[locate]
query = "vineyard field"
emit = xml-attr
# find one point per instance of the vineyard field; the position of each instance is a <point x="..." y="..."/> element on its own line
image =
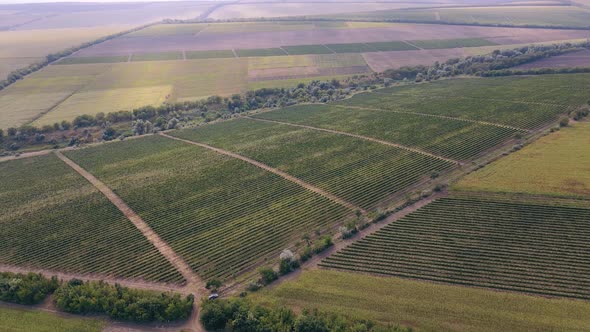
<point x="504" y="245"/>
<point x="221" y="214"/>
<point x="523" y="102"/>
<point x="53" y="219"/>
<point x="456" y="139"/>
<point x="359" y="171"/>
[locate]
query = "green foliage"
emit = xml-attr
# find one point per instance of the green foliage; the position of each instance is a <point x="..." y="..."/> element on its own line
<point x="322" y="244"/>
<point x="267" y="275"/>
<point x="27" y="288"/>
<point x="121" y="303"/>
<point x="213" y="284"/>
<point x="242" y="315"/>
<point x="564" y="122"/>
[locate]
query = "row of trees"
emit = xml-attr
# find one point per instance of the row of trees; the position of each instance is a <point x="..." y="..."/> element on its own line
<point x="122" y="303"/>
<point x="95" y="297"/>
<point x="241" y="315"/>
<point x="149" y="119"/>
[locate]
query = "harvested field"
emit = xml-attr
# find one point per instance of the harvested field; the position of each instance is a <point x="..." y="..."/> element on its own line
<point x="359" y="171"/>
<point x="555" y="165"/>
<point x="239" y="216"/>
<point x="558" y="16"/>
<point x="510" y="246"/>
<point x="452" y="43"/>
<point x="95" y="101"/>
<point x="252" y="10"/>
<point x="575" y="59"/>
<point x="424" y="306"/>
<point x="54" y="219"/>
<point x="92" y="59"/>
<point x="18" y="49"/>
<point x="278" y="38"/>
<point x="381" y="61"/>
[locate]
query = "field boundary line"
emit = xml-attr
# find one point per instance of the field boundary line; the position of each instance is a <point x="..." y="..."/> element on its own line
<point x="395" y="145"/>
<point x="436" y="116"/>
<point x="184" y="55"/>
<point x="331" y="50"/>
<point x="272" y="170"/>
<point x="129" y="57"/>
<point x="233" y="50"/>
<point x="191" y="278"/>
<point x="407" y="42"/>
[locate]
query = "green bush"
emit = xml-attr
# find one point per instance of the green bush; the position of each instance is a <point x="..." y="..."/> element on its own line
<point x="267" y="275"/>
<point x="322" y="244"/>
<point x="28" y="288"/>
<point x="98" y="297"/>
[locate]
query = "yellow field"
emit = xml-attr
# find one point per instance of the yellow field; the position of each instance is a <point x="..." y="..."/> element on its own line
<point x="19" y="49"/>
<point x="426" y="306"/>
<point x="92" y="102"/>
<point x="557" y="164"/>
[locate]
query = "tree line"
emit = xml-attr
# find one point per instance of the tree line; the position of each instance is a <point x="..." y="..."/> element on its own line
<point x="150" y="119"/>
<point x="95" y="297"/>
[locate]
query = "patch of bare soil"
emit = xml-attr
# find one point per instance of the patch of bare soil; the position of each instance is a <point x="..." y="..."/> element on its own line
<point x="574" y="59"/>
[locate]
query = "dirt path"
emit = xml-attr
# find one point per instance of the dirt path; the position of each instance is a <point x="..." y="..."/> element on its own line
<point x="435" y="116"/>
<point x="403" y="147"/>
<point x="273" y="170"/>
<point x="139" y="284"/>
<point x="194" y="284"/>
<point x="340" y="244"/>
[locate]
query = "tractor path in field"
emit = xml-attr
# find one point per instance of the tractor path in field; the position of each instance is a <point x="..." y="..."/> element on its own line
<point x="131" y="283"/>
<point x="194" y="283"/>
<point x="436" y="116"/>
<point x="274" y="171"/>
<point x="399" y="146"/>
<point x="340" y="244"/>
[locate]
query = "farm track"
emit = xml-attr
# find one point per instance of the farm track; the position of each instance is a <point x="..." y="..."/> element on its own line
<point x="435" y="116"/>
<point x="274" y="171"/>
<point x="194" y="284"/>
<point x="399" y="146"/>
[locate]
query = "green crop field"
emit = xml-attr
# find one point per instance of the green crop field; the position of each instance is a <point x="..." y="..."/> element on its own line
<point x="22" y="320"/>
<point x="523" y="102"/>
<point x="514" y="246"/>
<point x="307" y="49"/>
<point x="425" y="306"/>
<point x="391" y="46"/>
<point x="555" y="165"/>
<point x="351" y="48"/>
<point x="558" y="16"/>
<point x="360" y="171"/>
<point x="92" y="59"/>
<point x="244" y="53"/>
<point x="452" y="43"/>
<point x="209" y="54"/>
<point x="222" y="215"/>
<point x="54" y="219"/>
<point x="446" y="137"/>
<point x="162" y="56"/>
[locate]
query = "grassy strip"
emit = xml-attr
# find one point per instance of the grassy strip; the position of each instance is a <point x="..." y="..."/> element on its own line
<point x="92" y="59"/>
<point x="157" y="56"/>
<point x="425" y="306"/>
<point x="260" y="52"/>
<point x="25" y="320"/>
<point x="209" y="54"/>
